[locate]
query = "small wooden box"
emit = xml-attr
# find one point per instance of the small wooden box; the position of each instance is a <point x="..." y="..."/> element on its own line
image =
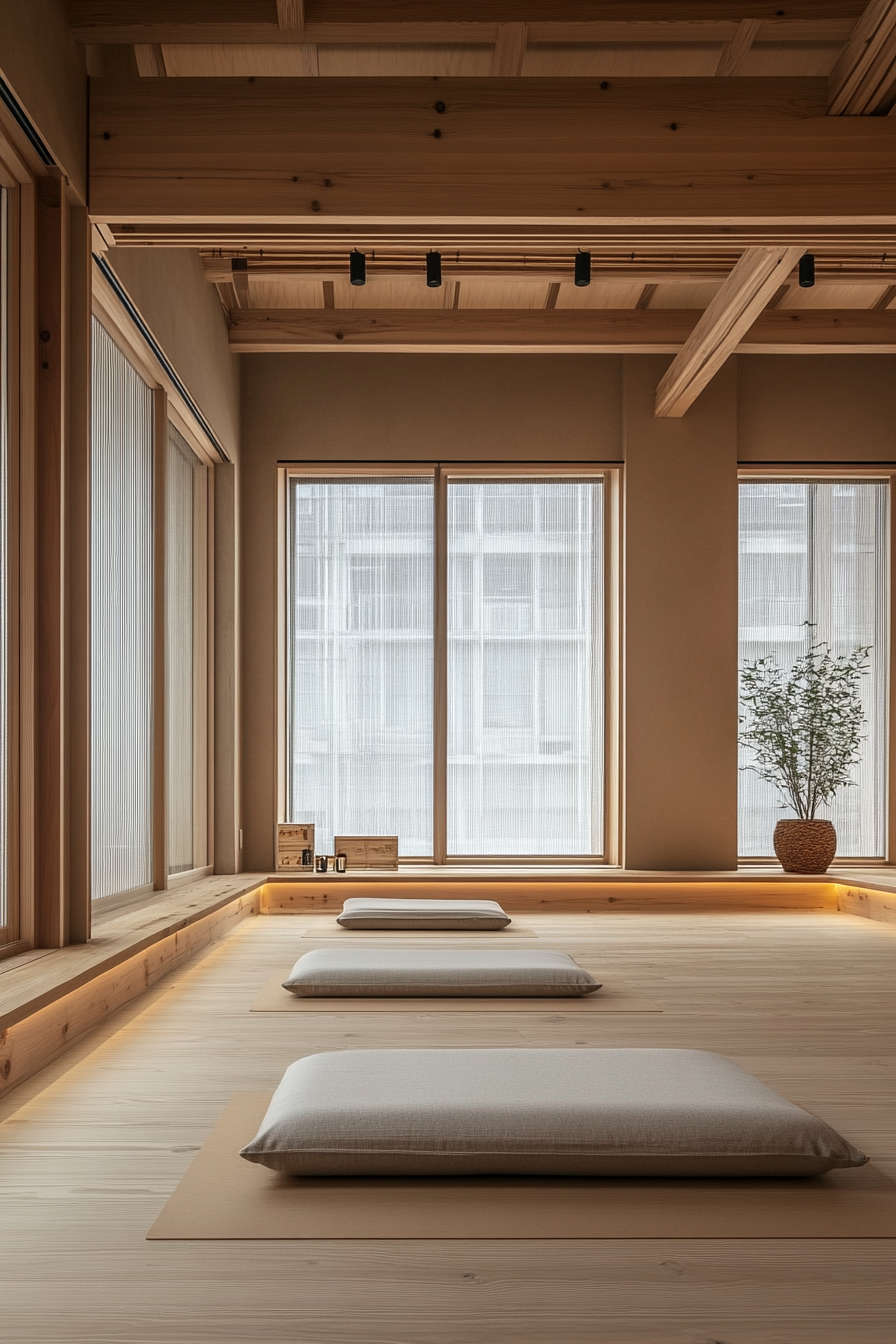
<point x="292" y="841"/>
<point x="368" y="851"/>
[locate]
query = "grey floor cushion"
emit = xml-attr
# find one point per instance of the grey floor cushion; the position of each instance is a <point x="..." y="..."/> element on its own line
<point x="386" y="912"/>
<point x="538" y="1112"/>
<point x="385" y="972"/>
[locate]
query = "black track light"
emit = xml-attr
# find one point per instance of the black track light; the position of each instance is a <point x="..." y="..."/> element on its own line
<point x="583" y="269"/>
<point x="807" y="271"/>
<point x="357" y="268"/>
<point x="433" y="269"/>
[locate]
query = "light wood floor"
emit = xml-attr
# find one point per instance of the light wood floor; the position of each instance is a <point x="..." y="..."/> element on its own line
<point x="91" y="1149"/>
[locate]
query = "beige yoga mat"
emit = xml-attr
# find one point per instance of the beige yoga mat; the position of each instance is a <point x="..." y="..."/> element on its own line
<point x="615" y="997"/>
<point x="223" y="1197"/>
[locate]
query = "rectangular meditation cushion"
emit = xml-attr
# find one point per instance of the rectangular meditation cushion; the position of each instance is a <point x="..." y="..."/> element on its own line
<point x="379" y="912"/>
<point x="653" y="1113"/>
<point x="388" y="972"/>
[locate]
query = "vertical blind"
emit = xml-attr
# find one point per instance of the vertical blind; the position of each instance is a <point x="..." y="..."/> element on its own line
<point x="180" y="507"/>
<point x="818" y="551"/>
<point x="4" y="557"/>
<point x="359" y="658"/>
<point x="525" y="668"/>
<point x="121" y="621"/>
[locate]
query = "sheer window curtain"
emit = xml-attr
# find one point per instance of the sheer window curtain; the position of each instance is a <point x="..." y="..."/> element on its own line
<point x="185" y="574"/>
<point x="525" y="667"/>
<point x="121" y="621"/>
<point x="359" y="659"/>
<point x="818" y="551"/>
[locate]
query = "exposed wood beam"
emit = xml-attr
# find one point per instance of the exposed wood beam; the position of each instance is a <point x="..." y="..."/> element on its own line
<point x="778" y="298"/>
<point x="532" y="269"/>
<point x="734" y="53"/>
<point x="864" y="78"/>
<point x="645" y="296"/>
<point x="553" y="295"/>
<point x="856" y="246"/>
<point x="885" y="300"/>
<point x="640" y="149"/>
<point x="732" y="312"/>
<point x="329" y="295"/>
<point x="510" y="49"/>
<point x="150" y="59"/>
<point x="659" y="330"/>
<point x="291" y="15"/>
<point x="550" y="21"/>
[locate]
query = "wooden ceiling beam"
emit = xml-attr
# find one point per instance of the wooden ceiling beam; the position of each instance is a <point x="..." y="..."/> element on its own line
<point x="751" y="285"/>
<point x="734" y="54"/>
<point x="510" y="49"/>
<point x="864" y="79"/>
<point x="207" y="21"/>
<point x="291" y="15"/>
<point x="650" y="330"/>
<point x="383" y="269"/>
<point x="631" y="149"/>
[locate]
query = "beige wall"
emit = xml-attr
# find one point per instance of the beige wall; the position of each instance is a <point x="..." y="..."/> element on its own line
<point x="381" y="407"/>
<point x="47" y="71"/>
<point x="680" y="626"/>
<point x="680" y="551"/>
<point x="182" y="310"/>
<point x="816" y="408"/>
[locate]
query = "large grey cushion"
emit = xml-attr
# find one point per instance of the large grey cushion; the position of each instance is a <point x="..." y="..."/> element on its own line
<point x="538" y="1112"/>
<point x="385" y="972"/>
<point x="386" y="912"/>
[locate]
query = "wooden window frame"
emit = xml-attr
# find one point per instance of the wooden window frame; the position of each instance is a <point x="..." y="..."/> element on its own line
<point x="810" y="472"/>
<point x="169" y="406"/>
<point x="442" y="473"/>
<point x="18" y="934"/>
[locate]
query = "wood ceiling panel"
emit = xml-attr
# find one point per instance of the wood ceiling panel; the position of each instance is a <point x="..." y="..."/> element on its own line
<point x="772" y="59"/>
<point x="386" y="294"/>
<point x="615" y="59"/>
<point x="684" y="296"/>
<point x="830" y="296"/>
<point x="221" y="60"/>
<point x="498" y="294"/>
<point x="599" y="294"/>
<point x="376" y="61"/>
<point x="286" y="294"/>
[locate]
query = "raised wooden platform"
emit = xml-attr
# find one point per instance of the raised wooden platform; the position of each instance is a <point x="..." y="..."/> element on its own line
<point x="49" y="999"/>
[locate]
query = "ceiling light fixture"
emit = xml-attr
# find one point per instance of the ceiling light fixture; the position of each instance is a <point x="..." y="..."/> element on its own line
<point x="583" y="269"/>
<point x="807" y="271"/>
<point x="433" y="269"/>
<point x="357" y="268"/>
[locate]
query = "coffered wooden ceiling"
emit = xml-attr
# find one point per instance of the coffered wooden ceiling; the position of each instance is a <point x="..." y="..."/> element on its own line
<point x="667" y="139"/>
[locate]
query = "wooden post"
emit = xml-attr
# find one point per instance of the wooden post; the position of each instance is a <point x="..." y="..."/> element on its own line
<point x="77" y="604"/>
<point x="51" y="913"/>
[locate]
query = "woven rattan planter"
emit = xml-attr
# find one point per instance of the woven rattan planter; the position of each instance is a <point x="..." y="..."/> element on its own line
<point x="805" y="846"/>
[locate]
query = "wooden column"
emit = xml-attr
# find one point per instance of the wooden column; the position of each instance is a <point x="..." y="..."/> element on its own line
<point x="77" y="586"/>
<point x="680" y="621"/>
<point x="226" y="788"/>
<point x="51" y="912"/>
<point x="159" y="642"/>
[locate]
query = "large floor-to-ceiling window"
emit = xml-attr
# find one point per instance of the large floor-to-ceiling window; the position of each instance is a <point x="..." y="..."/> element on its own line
<point x="816" y="551"/>
<point x="444" y="661"/>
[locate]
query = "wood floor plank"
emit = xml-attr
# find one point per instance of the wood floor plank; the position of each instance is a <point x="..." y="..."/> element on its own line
<point x="91" y="1148"/>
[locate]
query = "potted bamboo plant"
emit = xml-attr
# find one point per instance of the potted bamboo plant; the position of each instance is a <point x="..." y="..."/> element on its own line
<point x="804" y="730"/>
